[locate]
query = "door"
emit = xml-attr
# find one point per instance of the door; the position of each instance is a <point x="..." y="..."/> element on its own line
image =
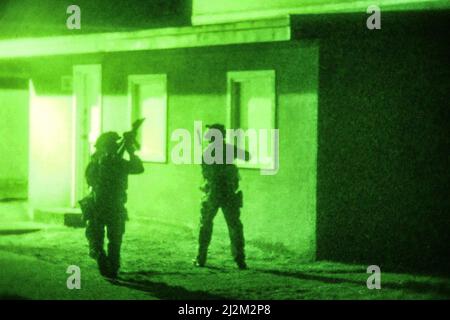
<point x="87" y="115"/>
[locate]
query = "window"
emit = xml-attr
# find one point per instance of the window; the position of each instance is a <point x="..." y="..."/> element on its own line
<point x="148" y="99"/>
<point x="252" y="108"/>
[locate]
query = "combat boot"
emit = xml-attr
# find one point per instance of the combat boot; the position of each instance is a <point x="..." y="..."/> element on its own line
<point x="242" y="265"/>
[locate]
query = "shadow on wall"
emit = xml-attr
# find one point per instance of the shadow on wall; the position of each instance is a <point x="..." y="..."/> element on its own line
<point x="383" y="149"/>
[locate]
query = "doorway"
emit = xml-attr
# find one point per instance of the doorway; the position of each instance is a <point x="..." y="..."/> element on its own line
<point x="86" y="126"/>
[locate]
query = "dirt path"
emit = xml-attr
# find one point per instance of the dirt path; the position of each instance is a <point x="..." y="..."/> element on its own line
<point x="157" y="264"/>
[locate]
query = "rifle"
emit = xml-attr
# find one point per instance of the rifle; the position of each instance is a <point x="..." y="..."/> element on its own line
<point x="128" y="141"/>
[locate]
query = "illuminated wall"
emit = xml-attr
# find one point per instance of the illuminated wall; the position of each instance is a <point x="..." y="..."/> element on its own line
<point x="51" y="119"/>
<point x="50" y="150"/>
<point x="13" y="142"/>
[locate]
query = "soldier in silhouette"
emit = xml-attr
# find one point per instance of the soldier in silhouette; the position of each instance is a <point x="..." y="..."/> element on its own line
<point x="107" y="175"/>
<point x="221" y="190"/>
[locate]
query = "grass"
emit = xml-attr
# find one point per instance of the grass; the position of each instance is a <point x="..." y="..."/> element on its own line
<point x="156" y="260"/>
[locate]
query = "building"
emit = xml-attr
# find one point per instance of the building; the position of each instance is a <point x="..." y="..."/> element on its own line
<point x="359" y="113"/>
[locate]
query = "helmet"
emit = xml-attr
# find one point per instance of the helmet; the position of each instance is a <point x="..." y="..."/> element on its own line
<point x="107" y="140"/>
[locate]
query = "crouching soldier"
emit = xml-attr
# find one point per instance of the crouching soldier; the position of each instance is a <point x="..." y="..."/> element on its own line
<point x="107" y="175"/>
<point x="221" y="190"/>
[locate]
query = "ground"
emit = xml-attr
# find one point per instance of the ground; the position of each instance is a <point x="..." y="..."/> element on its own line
<point x="157" y="265"/>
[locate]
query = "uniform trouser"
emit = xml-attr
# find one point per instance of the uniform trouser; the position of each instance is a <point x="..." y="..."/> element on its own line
<point x="235" y="229"/>
<point x="95" y="233"/>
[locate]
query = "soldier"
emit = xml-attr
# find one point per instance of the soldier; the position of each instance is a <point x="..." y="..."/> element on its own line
<point x="221" y="191"/>
<point x="107" y="174"/>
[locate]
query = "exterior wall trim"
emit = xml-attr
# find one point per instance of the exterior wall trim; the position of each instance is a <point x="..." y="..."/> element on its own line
<point x="321" y="7"/>
<point x="269" y="30"/>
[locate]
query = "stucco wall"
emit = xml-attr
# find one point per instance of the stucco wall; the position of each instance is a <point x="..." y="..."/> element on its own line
<point x="383" y="145"/>
<point x="50" y="149"/>
<point x="13" y="142"/>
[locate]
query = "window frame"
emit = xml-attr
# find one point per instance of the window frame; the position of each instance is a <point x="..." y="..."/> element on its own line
<point x="135" y="80"/>
<point x="245" y="75"/>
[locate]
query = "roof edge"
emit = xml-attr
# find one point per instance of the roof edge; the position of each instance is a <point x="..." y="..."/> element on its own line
<point x="266" y="30"/>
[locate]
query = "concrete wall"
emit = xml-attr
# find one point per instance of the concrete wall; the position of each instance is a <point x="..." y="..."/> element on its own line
<point x="51" y="131"/>
<point x="279" y="210"/>
<point x="383" y="144"/>
<point x="50" y="150"/>
<point x="14" y="141"/>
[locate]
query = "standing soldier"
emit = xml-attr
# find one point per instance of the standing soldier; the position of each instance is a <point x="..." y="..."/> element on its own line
<point x="107" y="174"/>
<point x="221" y="191"/>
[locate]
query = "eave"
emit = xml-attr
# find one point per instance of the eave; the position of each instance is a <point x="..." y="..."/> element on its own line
<point x="269" y="30"/>
<point x="320" y="7"/>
